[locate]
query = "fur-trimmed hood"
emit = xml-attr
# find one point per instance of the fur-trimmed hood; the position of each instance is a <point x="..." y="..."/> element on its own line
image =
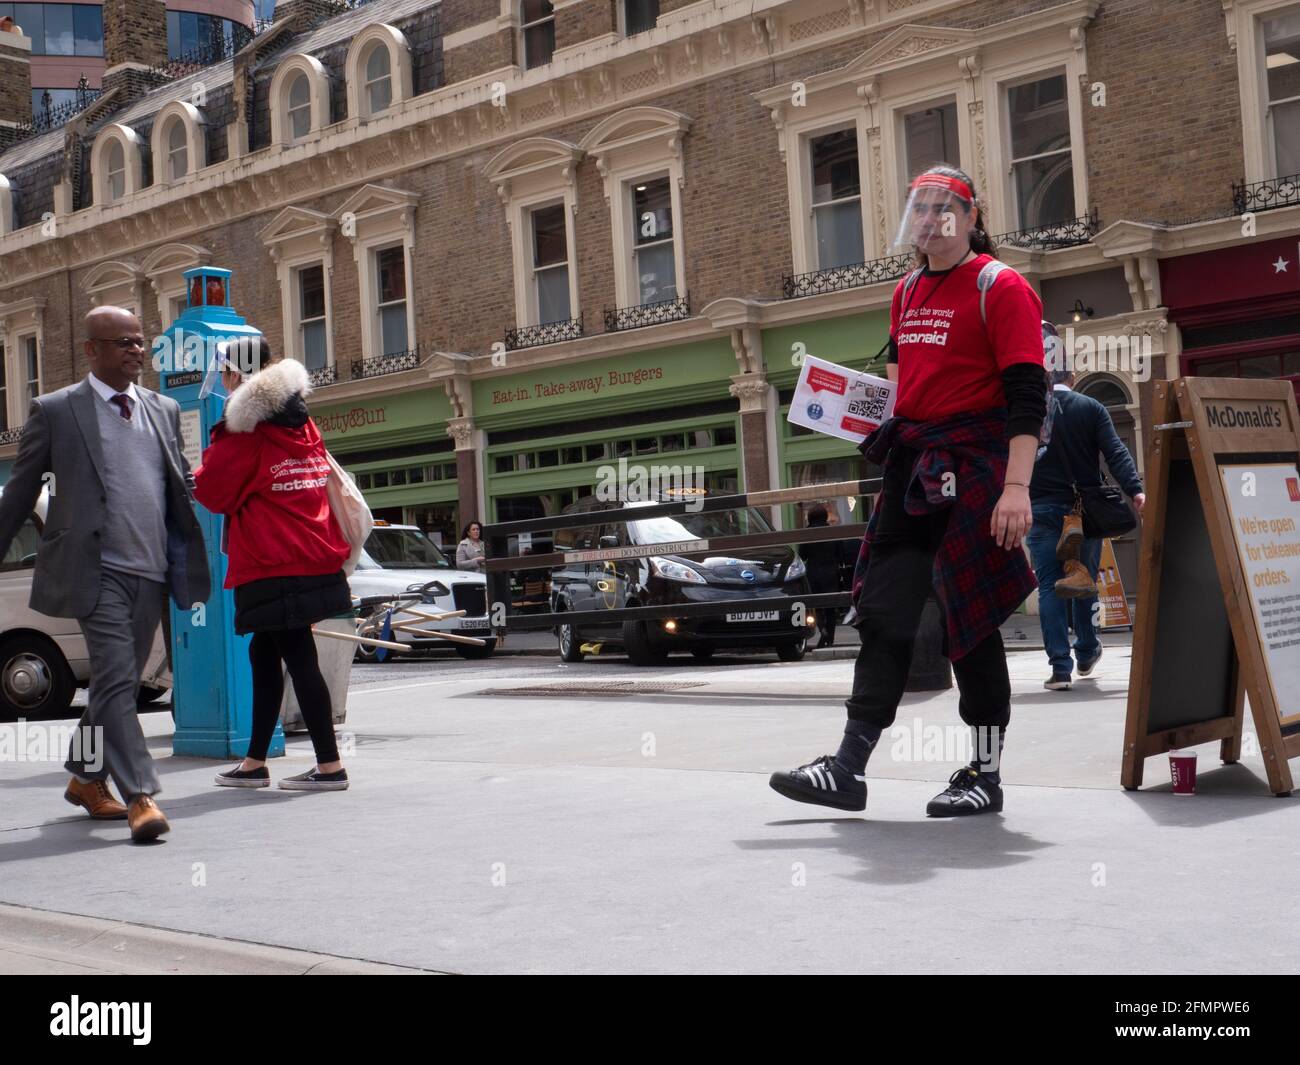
<point x="266" y="392"/>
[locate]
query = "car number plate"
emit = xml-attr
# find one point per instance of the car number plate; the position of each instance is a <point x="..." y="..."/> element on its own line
<point x="755" y="615"/>
<point x="474" y="623"/>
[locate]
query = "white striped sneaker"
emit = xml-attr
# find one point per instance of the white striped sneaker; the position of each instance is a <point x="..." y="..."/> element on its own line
<point x="968" y="792"/>
<point x="822" y="782"/>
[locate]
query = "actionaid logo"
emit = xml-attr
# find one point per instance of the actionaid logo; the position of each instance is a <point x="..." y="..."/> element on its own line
<point x="626" y="483"/>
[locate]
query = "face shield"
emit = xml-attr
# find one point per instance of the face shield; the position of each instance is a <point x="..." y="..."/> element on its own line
<point x="224" y="360"/>
<point x="936" y="207"/>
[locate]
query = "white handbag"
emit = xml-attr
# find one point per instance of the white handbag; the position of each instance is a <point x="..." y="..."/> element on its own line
<point x="350" y="510"/>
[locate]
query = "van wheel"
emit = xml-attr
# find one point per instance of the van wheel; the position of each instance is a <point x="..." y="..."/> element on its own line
<point x="473" y="653"/>
<point x="792" y="652"/>
<point x="570" y="643"/>
<point x="34" y="677"/>
<point x="640" y="649"/>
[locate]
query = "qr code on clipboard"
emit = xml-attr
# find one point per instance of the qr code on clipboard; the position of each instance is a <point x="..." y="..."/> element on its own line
<point x="870" y="404"/>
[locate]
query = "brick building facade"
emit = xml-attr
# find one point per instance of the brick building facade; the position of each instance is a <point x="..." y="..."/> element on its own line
<point x="435" y="205"/>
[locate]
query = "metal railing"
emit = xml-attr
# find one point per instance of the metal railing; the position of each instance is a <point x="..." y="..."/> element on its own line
<point x="531" y="336"/>
<point x="324" y="375"/>
<point x="49" y="115"/>
<point x="621" y="318"/>
<point x="394" y="362"/>
<point x="837" y="278"/>
<point x="1266" y="195"/>
<point x="11" y="436"/>
<point x="1069" y="233"/>
<point x="499" y="563"/>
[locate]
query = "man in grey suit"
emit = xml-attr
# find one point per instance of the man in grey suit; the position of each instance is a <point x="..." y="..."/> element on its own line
<point x="120" y="526"/>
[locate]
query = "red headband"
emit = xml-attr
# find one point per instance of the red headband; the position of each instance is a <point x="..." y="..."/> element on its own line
<point x="943" y="181"/>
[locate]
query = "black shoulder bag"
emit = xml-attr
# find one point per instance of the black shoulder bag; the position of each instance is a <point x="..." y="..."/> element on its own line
<point x="1104" y="509"/>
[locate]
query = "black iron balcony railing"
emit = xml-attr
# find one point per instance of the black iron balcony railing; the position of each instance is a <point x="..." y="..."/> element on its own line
<point x="11" y="436"/>
<point x="531" y="336"/>
<point x="853" y="275"/>
<point x="48" y="115"/>
<point x="1067" y="234"/>
<point x="1266" y="195"/>
<point x="394" y="362"/>
<point x="647" y="314"/>
<point x="323" y="375"/>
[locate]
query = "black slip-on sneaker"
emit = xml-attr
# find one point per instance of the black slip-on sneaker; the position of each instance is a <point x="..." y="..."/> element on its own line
<point x="314" y="780"/>
<point x="968" y="792"/>
<point x="1057" y="682"/>
<point x="1086" y="667"/>
<point x="822" y="782"/>
<point x="245" y="778"/>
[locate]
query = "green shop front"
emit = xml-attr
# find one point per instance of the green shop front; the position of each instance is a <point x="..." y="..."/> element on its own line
<point x="397" y="448"/>
<point x="553" y="435"/>
<point x="803" y="455"/>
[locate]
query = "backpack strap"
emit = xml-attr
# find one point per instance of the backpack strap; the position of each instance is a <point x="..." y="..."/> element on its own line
<point x="988" y="274"/>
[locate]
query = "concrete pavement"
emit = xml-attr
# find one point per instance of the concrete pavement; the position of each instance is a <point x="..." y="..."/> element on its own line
<point x="591" y="823"/>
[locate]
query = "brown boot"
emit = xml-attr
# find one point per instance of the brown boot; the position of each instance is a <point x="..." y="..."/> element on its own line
<point x="1071" y="537"/>
<point x="96" y="798"/>
<point x="1077" y="582"/>
<point x="147" y="821"/>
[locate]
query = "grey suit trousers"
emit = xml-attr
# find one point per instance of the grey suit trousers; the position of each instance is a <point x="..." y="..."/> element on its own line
<point x="119" y="636"/>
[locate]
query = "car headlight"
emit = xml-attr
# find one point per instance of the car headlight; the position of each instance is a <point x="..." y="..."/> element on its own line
<point x="796" y="570"/>
<point x="675" y="571"/>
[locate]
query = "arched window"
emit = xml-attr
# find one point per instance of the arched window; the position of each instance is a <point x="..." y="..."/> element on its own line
<point x="537" y="25"/>
<point x="116" y="175"/>
<point x="379" y="80"/>
<point x="1105" y="391"/>
<point x="177" y="150"/>
<point x="299" y="107"/>
<point x="378" y="71"/>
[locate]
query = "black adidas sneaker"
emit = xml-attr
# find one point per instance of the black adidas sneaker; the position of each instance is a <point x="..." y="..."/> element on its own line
<point x="968" y="792"/>
<point x="822" y="782"/>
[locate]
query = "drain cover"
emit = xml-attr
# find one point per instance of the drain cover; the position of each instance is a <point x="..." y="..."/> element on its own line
<point x="631" y="687"/>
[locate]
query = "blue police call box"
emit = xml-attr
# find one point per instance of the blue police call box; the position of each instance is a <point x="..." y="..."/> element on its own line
<point x="212" y="685"/>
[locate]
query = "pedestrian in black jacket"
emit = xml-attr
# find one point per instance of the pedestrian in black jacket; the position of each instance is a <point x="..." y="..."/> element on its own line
<point x="1081" y="432"/>
<point x="824" y="560"/>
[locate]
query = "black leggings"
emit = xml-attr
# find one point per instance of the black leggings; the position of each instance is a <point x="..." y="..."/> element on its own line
<point x="297" y="649"/>
<point x="899" y="579"/>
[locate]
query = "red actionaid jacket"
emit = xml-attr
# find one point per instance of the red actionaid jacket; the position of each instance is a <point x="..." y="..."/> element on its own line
<point x="269" y="482"/>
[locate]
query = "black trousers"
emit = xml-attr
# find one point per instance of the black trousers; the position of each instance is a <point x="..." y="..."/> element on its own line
<point x="899" y="579"/>
<point x="296" y="648"/>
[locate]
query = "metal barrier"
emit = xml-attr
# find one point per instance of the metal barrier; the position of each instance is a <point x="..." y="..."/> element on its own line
<point x="499" y="564"/>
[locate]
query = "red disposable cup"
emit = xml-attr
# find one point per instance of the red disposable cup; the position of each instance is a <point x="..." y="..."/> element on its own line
<point x="1182" y="768"/>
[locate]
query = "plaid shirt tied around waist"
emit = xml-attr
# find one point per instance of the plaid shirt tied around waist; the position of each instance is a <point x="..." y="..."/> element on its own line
<point x="978" y="583"/>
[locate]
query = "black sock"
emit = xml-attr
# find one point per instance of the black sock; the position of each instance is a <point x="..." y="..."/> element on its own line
<point x="988" y="761"/>
<point x="859" y="741"/>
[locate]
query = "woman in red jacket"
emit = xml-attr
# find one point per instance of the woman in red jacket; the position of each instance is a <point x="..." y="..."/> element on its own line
<point x="266" y="471"/>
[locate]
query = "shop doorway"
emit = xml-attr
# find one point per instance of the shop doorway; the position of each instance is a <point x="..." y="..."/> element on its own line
<point x="1112" y="395"/>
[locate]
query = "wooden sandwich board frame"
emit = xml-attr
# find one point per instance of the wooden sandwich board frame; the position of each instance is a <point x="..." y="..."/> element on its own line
<point x="1196" y="658"/>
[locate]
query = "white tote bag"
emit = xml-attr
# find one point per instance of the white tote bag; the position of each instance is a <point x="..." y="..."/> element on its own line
<point x="350" y="511"/>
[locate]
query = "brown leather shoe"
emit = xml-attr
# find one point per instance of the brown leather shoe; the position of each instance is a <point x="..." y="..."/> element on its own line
<point x="1077" y="582"/>
<point x="147" y="821"/>
<point x="96" y="798"/>
<point x="1071" y="537"/>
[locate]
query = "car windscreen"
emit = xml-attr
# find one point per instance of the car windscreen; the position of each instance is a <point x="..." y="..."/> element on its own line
<point x="404" y="549"/>
<point x="698" y="526"/>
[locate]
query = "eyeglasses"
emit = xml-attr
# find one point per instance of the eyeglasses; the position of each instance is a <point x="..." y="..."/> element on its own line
<point x="123" y="343"/>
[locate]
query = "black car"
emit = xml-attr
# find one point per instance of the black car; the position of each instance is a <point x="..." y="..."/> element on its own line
<point x="761" y="573"/>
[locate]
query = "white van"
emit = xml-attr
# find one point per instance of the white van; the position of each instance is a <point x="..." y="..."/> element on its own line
<point x="43" y="660"/>
<point x="401" y="558"/>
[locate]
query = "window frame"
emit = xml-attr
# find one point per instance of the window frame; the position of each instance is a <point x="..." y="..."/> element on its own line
<point x="378" y="34"/>
<point x="524" y="27"/>
<point x="1244" y="23"/>
<point x="286" y="75"/>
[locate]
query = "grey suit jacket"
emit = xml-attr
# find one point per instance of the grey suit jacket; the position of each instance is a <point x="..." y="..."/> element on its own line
<point x="61" y="437"/>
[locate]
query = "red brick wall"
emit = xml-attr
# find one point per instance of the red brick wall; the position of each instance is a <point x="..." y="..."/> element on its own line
<point x="583" y="21"/>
